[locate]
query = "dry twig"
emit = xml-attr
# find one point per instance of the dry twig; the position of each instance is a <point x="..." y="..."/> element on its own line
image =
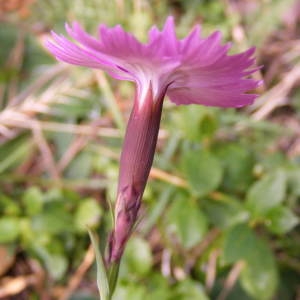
<point x="49" y="162"/>
<point x="77" y="277"/>
<point x="197" y="251"/>
<point x="211" y="269"/>
<point x="231" y="279"/>
<point x="13" y="286"/>
<point x="277" y="96"/>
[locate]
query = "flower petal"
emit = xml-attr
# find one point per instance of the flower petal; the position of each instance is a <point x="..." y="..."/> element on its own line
<point x="195" y="69"/>
<point x="209" y="76"/>
<point x="118" y="43"/>
<point x="211" y="97"/>
<point x="67" y="51"/>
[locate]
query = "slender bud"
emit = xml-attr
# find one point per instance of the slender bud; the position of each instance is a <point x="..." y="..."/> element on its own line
<point x="136" y="160"/>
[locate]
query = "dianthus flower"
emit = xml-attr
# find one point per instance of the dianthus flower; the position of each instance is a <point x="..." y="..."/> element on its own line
<point x="192" y="70"/>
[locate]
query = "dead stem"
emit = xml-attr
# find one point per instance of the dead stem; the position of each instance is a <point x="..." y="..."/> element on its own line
<point x="79" y="274"/>
<point x="13" y="286"/>
<point x="19" y="121"/>
<point x="231" y="279"/>
<point x="211" y="269"/>
<point x="49" y="162"/>
<point x="198" y="250"/>
<point x="166" y="263"/>
<point x="277" y="96"/>
<point x="164" y="176"/>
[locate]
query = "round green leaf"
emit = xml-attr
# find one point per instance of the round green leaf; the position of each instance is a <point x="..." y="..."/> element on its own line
<point x="281" y="220"/>
<point x="54" y="219"/>
<point x="189" y="289"/>
<point x="158" y="287"/>
<point x="238" y="164"/>
<point x="137" y="257"/>
<point x="88" y="214"/>
<point x="56" y="264"/>
<point x="129" y="291"/>
<point x="194" y="114"/>
<point x="267" y="193"/>
<point x="9" y="229"/>
<point x="208" y="125"/>
<point x="226" y="212"/>
<point x="8" y="206"/>
<point x="293" y="181"/>
<point x="238" y="243"/>
<point x="260" y="277"/>
<point x="186" y="221"/>
<point x="202" y="170"/>
<point x="33" y="201"/>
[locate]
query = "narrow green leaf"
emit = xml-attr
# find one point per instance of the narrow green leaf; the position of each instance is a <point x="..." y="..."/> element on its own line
<point x="102" y="280"/>
<point x="12" y="156"/>
<point x="158" y="208"/>
<point x="113" y="277"/>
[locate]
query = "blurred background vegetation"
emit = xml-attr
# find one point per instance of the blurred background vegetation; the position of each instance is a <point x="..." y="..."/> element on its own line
<point x="219" y="217"/>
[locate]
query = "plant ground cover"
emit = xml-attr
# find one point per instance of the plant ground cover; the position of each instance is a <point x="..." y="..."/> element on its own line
<point x="220" y="213"/>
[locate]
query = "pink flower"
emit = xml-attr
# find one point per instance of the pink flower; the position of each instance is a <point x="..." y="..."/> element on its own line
<point x="193" y="70"/>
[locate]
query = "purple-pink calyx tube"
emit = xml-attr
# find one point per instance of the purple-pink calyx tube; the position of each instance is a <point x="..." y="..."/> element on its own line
<point x="192" y="70"/>
<point x="135" y="164"/>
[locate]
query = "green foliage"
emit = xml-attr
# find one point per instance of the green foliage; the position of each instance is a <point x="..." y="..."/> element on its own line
<point x="260" y="275"/>
<point x="281" y="220"/>
<point x="88" y="213"/>
<point x="14" y="152"/>
<point x="48" y="225"/>
<point x="185" y="220"/>
<point x="33" y="201"/>
<point x="203" y="171"/>
<point x="225" y="212"/>
<point x="267" y="193"/>
<point x="238" y="163"/>
<point x="9" y="229"/>
<point x="189" y="289"/>
<point x="202" y="122"/>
